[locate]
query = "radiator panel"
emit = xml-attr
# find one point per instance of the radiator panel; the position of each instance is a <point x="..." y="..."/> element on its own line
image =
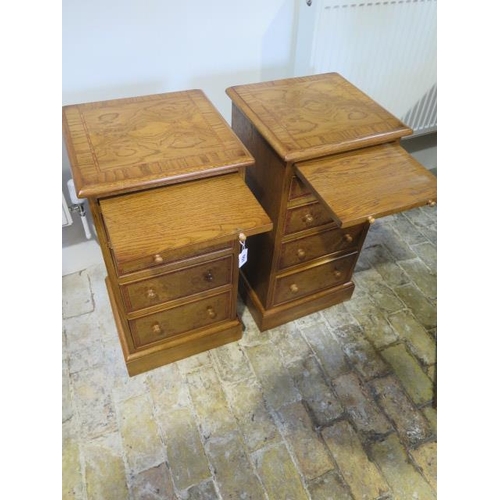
<point x="387" y="49"/>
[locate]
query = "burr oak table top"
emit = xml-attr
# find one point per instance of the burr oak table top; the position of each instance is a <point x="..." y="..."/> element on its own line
<point x="128" y="144"/>
<point x="308" y="117"/>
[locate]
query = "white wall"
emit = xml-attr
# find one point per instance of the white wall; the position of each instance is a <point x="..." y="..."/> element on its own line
<point x="120" y="48"/>
<point x="124" y="48"/>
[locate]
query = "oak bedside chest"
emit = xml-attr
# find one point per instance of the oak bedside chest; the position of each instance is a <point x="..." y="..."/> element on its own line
<point x="328" y="163"/>
<point x="164" y="176"/>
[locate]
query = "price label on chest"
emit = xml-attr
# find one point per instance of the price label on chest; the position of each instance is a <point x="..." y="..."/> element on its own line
<point x="243" y="256"/>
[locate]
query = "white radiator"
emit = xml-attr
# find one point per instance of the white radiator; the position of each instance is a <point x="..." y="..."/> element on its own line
<point x="67" y="220"/>
<point x="387" y="49"/>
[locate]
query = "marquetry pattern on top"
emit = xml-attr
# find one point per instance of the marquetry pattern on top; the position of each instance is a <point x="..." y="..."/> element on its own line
<point x="127" y="144"/>
<point x="307" y="117"/>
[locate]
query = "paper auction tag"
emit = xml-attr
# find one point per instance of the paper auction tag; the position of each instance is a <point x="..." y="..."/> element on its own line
<point x="243" y="256"/>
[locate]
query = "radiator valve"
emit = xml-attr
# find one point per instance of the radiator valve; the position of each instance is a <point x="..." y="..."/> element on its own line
<point x="78" y="206"/>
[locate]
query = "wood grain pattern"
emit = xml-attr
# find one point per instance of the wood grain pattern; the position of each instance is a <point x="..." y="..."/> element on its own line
<point x="271" y="317"/>
<point x="267" y="183"/>
<point x="189" y="316"/>
<point x="302" y="250"/>
<point x="125" y="144"/>
<point x="178" y="283"/>
<point x="298" y="189"/>
<point x="315" y="278"/>
<point x="371" y="182"/>
<point x="164" y="175"/>
<point x="171" y="349"/>
<point x="318" y="123"/>
<point x="313" y="116"/>
<point x="271" y="181"/>
<point x="306" y="217"/>
<point x="147" y="265"/>
<point x="182" y="215"/>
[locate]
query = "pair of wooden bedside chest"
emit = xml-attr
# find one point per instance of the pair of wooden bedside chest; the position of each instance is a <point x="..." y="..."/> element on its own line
<point x="177" y="195"/>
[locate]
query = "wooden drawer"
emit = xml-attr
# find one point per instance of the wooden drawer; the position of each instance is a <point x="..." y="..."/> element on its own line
<point x="176" y="284"/>
<point x="161" y="258"/>
<point x="319" y="277"/>
<point x="324" y="243"/>
<point x="298" y="189"/>
<point x="306" y="217"/>
<point x="151" y="227"/>
<point x="177" y="320"/>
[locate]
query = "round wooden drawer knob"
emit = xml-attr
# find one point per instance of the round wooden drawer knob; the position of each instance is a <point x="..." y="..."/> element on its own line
<point x="308" y="218"/>
<point x="151" y="294"/>
<point x="294" y="288"/>
<point x="156" y="329"/>
<point x="347" y="238"/>
<point x="158" y="259"/>
<point x="242" y="237"/>
<point x="211" y="313"/>
<point x="301" y="253"/>
<point x="336" y="273"/>
<point x="209" y="276"/>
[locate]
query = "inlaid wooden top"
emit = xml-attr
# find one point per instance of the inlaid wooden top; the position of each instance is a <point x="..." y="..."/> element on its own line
<point x="312" y="116"/>
<point x="168" y="218"/>
<point x="127" y="144"/>
<point x="371" y="182"/>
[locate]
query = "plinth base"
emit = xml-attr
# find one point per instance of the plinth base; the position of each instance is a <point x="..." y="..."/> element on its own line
<point x="279" y="315"/>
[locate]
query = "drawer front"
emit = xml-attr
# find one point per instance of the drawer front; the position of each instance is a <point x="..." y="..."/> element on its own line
<point x="297" y="189"/>
<point x="306" y="217"/>
<point x="162" y="258"/>
<point x="181" y="319"/>
<point x="314" y="279"/>
<point x="178" y="284"/>
<point x="327" y="242"/>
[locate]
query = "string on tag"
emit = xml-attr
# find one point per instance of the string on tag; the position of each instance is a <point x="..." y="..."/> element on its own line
<point x="243" y="256"/>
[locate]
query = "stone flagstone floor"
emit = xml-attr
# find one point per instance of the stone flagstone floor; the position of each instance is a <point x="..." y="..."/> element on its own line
<point x="337" y="405"/>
